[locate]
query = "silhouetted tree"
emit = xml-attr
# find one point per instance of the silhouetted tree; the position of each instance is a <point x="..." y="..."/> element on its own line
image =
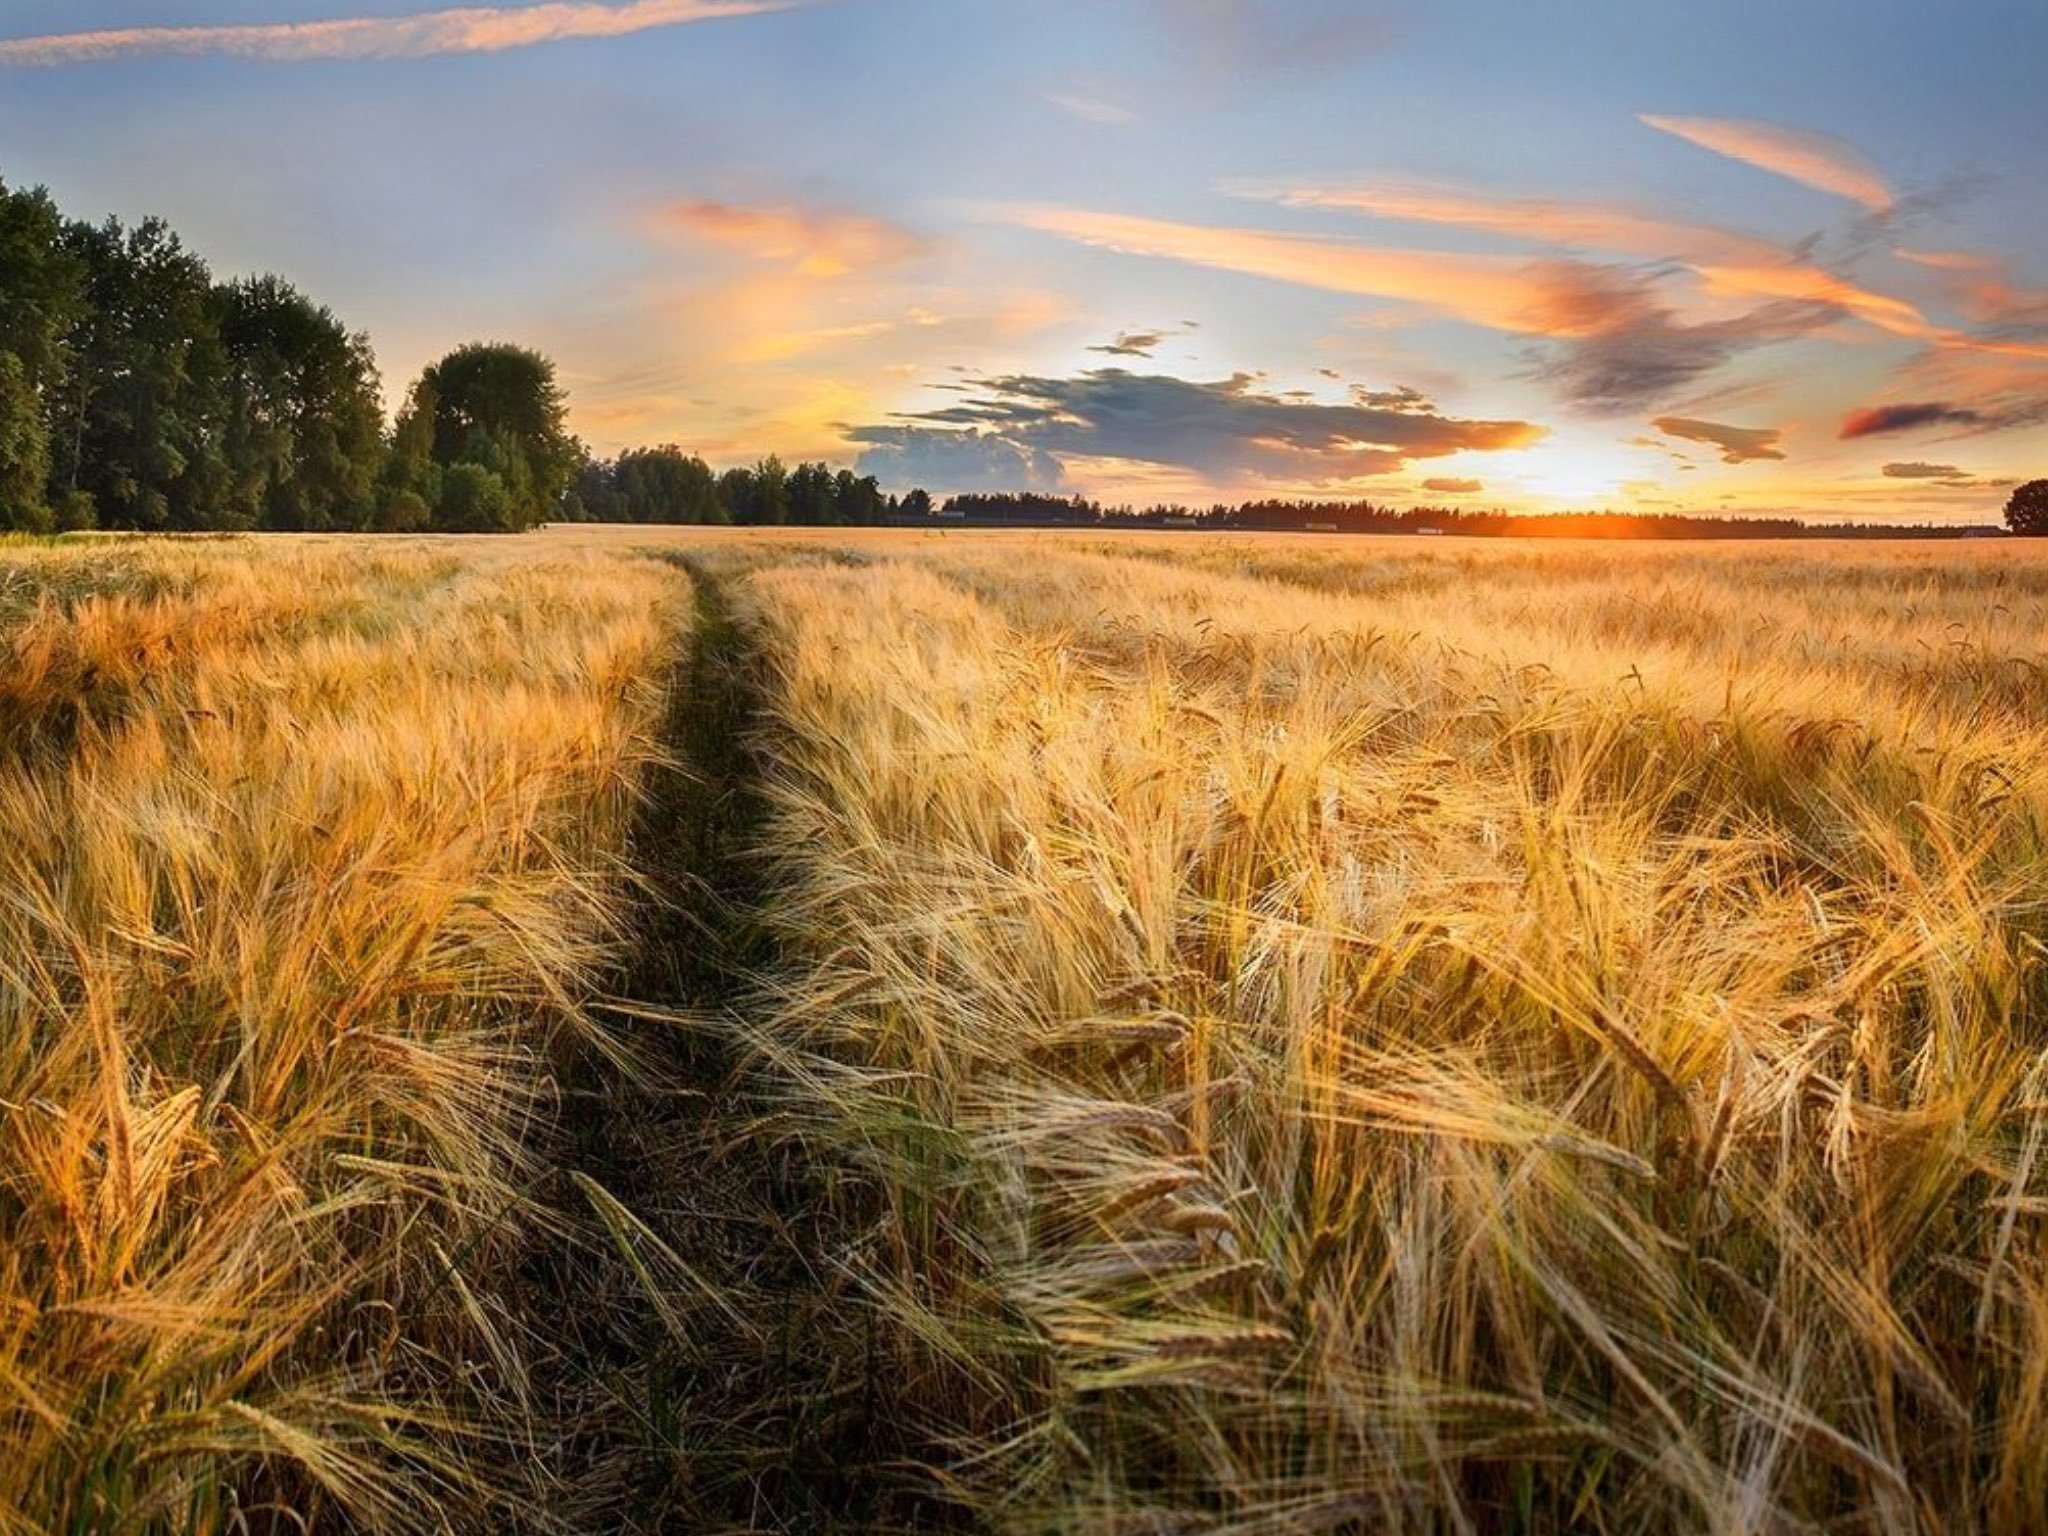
<point x="2027" y="511"/>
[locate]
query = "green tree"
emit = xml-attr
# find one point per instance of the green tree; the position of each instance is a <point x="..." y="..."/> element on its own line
<point x="24" y="452"/>
<point x="665" y="485"/>
<point x="474" y="500"/>
<point x="2027" y="511"/>
<point x="138" y="423"/>
<point x="859" y="500"/>
<point x="736" y="495"/>
<point x="918" y="503"/>
<point x="770" y="501"/>
<point x="812" y="499"/>
<point x="305" y="433"/>
<point x="500" y="408"/>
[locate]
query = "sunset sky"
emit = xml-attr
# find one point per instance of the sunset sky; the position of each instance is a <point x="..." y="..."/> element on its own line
<point x="1739" y="256"/>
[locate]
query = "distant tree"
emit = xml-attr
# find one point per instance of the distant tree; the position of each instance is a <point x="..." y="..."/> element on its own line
<point x="665" y="485"/>
<point x="918" y="503"/>
<point x="857" y="499"/>
<point x="2027" y="511"/>
<point x="736" y="495"/>
<point x="498" y="408"/>
<point x="812" y="497"/>
<point x="770" y="493"/>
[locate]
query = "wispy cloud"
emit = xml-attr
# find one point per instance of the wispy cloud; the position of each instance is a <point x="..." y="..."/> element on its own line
<point x="1728" y="262"/>
<point x="1092" y="109"/>
<point x="1982" y="287"/>
<point x="814" y="242"/>
<point x="476" y="29"/>
<point x="1817" y="160"/>
<point x="1619" y="346"/>
<point x="1738" y="445"/>
<point x="1454" y="487"/>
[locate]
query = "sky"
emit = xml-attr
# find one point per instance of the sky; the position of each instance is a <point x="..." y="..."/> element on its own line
<point x="1744" y="257"/>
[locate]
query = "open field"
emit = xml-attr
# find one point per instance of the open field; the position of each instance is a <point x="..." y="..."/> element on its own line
<point x="1157" y="1034"/>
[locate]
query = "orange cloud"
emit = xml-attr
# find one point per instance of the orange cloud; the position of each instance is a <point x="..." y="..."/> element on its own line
<point x="1623" y="346"/>
<point x="1982" y="287"/>
<point x="814" y="242"/>
<point x="475" y="29"/>
<point x="1817" y="160"/>
<point x="1498" y="292"/>
<point x="1727" y="262"/>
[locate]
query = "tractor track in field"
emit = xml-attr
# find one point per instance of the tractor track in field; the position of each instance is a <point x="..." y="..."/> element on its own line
<point x="704" y="1359"/>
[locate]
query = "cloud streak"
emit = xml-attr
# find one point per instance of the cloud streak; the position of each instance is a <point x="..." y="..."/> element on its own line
<point x="1817" y="160"/>
<point x="1727" y="262"/>
<point x="1617" y="345"/>
<point x="1909" y="416"/>
<point x="1738" y="445"/>
<point x="474" y="29"/>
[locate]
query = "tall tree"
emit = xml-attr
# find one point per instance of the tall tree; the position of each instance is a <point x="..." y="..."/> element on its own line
<point x="770" y="493"/>
<point x="138" y="425"/>
<point x="305" y="438"/>
<point x="41" y="296"/>
<point x="499" y="408"/>
<point x="24" y="452"/>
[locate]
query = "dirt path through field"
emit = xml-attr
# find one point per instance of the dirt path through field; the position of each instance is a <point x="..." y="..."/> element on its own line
<point x="700" y="1343"/>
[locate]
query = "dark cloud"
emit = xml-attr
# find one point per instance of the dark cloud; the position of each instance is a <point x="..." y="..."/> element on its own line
<point x="1449" y="487"/>
<point x="1921" y="471"/>
<point x="902" y="457"/>
<point x="1620" y="348"/>
<point x="1226" y="429"/>
<point x="1876" y="420"/>
<point x="1133" y="343"/>
<point x="1738" y="445"/>
<point x="1399" y="398"/>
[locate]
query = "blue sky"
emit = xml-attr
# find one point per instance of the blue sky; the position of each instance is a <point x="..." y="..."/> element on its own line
<point x="1139" y="248"/>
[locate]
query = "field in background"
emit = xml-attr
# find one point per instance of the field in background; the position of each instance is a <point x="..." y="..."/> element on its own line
<point x="1253" y="1034"/>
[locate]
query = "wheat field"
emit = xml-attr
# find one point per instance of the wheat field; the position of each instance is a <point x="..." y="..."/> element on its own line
<point x="1251" y="1035"/>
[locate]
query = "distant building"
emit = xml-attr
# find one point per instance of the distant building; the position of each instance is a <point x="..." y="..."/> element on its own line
<point x="1322" y="528"/>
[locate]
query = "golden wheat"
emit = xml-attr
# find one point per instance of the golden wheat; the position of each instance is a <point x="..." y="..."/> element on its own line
<point x="307" y="851"/>
<point x="1379" y="1036"/>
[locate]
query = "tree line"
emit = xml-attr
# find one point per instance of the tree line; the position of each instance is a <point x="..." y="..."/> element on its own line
<point x="137" y="392"/>
<point x="1028" y="509"/>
